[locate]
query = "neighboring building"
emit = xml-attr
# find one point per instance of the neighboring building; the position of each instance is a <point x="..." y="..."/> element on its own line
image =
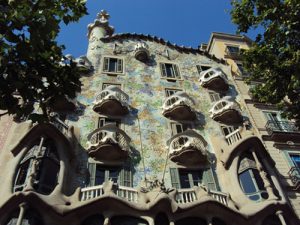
<point x="161" y="134"/>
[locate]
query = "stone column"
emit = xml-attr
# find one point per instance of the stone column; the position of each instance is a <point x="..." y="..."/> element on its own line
<point x="280" y="217"/>
<point x="23" y="207"/>
<point x="209" y="220"/>
<point x="263" y="175"/>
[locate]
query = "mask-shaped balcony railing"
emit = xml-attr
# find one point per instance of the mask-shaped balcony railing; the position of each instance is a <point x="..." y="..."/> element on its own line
<point x="214" y="79"/>
<point x="141" y="52"/>
<point x="188" y="148"/>
<point x="179" y="106"/>
<point x="226" y="111"/>
<point x="108" y="143"/>
<point x="111" y="101"/>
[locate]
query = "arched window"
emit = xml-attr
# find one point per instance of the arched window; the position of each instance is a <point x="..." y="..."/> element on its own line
<point x="93" y="220"/>
<point x="250" y="179"/>
<point x="271" y="220"/>
<point x="191" y="221"/>
<point x="39" y="168"/>
<point x="217" y="221"/>
<point x="127" y="220"/>
<point x="161" y="219"/>
<point x="29" y="218"/>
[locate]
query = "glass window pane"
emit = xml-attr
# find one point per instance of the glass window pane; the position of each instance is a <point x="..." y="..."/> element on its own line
<point x="247" y="182"/>
<point x="112" y="65"/>
<point x="296" y="159"/>
<point x="184" y="179"/>
<point x="100" y="175"/>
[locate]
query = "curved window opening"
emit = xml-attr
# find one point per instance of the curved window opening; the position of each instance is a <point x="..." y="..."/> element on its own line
<point x="161" y="219"/>
<point x="94" y="220"/>
<point x="250" y="179"/>
<point x="217" y="221"/>
<point x="191" y="221"/>
<point x="29" y="218"/>
<point x="39" y="168"/>
<point x="127" y="220"/>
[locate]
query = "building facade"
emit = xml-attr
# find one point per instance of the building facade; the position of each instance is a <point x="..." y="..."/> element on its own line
<point x="160" y="134"/>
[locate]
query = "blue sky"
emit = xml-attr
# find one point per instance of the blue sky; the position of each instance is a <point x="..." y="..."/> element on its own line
<point x="184" y="22"/>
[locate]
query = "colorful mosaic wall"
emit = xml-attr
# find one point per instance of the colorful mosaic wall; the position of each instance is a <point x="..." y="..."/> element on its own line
<point x="145" y="124"/>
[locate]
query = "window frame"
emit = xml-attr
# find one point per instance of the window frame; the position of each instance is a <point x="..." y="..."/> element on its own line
<point x="174" y="65"/>
<point x="125" y="173"/>
<point x="211" y="95"/>
<point x="171" y="89"/>
<point x="228" y="46"/>
<point x="199" y="69"/>
<point x="172" y="124"/>
<point x="116" y="72"/>
<point x="208" y="177"/>
<point x="110" y="84"/>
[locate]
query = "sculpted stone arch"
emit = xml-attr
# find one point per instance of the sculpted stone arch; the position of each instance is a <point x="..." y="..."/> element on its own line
<point x="43" y="159"/>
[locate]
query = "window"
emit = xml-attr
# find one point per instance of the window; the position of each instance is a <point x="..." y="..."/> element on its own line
<point x="112" y="65"/>
<point x="220" y="105"/>
<point x="250" y="179"/>
<point x="191" y="221"/>
<point x="94" y="220"/>
<point x="99" y="174"/>
<point x="295" y="158"/>
<point x="169" y="71"/>
<point x="102" y="121"/>
<point x="214" y="96"/>
<point x="105" y="85"/>
<point x="30" y="217"/>
<point x="201" y="68"/>
<point x="180" y="127"/>
<point x="228" y="129"/>
<point x="170" y="91"/>
<point x="241" y="69"/>
<point x="183" y="178"/>
<point x="127" y="220"/>
<point x="44" y="156"/>
<point x="234" y="50"/>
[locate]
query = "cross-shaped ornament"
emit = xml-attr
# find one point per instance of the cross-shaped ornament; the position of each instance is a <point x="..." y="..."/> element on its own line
<point x="103" y="16"/>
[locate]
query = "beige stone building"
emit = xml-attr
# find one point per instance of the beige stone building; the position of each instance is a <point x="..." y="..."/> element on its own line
<point x="160" y="134"/>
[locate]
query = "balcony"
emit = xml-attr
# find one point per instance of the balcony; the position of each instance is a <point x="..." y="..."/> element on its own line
<point x="179" y="106"/>
<point x="188" y="148"/>
<point x="111" y="101"/>
<point x="294" y="174"/>
<point x="108" y="144"/>
<point x="226" y="111"/>
<point x="183" y="196"/>
<point x="186" y="196"/>
<point x="141" y="52"/>
<point x="126" y="193"/>
<point x="214" y="79"/>
<point x="283" y="131"/>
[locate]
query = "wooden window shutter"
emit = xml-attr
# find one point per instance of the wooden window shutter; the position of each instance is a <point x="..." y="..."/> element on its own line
<point x="125" y="177"/>
<point x="92" y="171"/>
<point x="209" y="180"/>
<point x="120" y="65"/>
<point x="106" y="64"/>
<point x="163" y="70"/>
<point x="176" y="71"/>
<point x="175" y="180"/>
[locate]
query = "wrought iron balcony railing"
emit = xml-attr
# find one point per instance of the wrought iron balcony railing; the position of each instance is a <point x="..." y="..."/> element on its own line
<point x="281" y="126"/>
